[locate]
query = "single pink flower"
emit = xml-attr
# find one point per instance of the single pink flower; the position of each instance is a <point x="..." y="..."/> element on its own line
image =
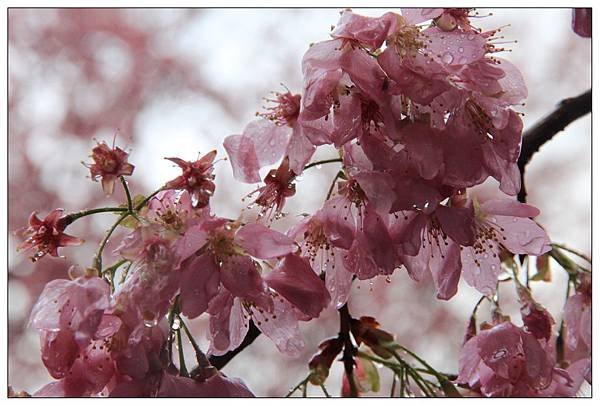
<point x="278" y="187"/>
<point x="500" y="224"/>
<point x="197" y="178"/>
<point x="506" y="361"/>
<point x="75" y="306"/>
<point x="229" y="323"/>
<point x="47" y="235"/>
<point x="109" y="164"/>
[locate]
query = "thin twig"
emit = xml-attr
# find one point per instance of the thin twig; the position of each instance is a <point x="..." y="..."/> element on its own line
<point x="567" y="111"/>
<point x="325" y="161"/>
<point x="219" y="361"/>
<point x="349" y="349"/>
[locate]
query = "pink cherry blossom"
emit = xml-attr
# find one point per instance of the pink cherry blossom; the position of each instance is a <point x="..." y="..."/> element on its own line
<point x="500" y="224"/>
<point x="506" y="361"/>
<point x="196" y="178"/>
<point x="109" y="164"/>
<point x="47" y="235"/>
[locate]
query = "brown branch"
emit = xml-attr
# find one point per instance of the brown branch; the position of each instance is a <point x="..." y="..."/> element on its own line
<point x="349" y="349"/>
<point x="219" y="361"/>
<point x="544" y="130"/>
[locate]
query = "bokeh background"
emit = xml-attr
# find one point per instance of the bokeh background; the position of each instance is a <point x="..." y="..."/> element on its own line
<point x="176" y="83"/>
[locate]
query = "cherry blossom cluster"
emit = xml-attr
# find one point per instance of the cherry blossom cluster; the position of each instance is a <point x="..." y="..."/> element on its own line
<point x="420" y="109"/>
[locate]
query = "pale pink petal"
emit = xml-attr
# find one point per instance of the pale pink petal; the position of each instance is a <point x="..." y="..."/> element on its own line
<point x="295" y="280"/>
<point x="508" y="207"/>
<point x="457" y="223"/>
<point x="240" y="275"/>
<point x="481" y="270"/>
<point x="199" y="283"/>
<point x="469" y="363"/>
<point x="227" y="324"/>
<point x="513" y="84"/>
<point x="499" y="348"/>
<point x="299" y="149"/>
<point x="445" y="268"/>
<point x="376" y="186"/>
<point x="522" y="235"/>
<point x="338" y="221"/>
<point x="371" y="31"/>
<point x="281" y="326"/>
<point x="455" y="47"/>
<point x="217" y="386"/>
<point x="338" y="279"/>
<point x="242" y="155"/>
<point x="262" y="242"/>
<point x="419" y="15"/>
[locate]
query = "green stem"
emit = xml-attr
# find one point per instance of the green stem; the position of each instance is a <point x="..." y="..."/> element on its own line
<point x="70" y="218"/>
<point x="572" y="251"/>
<point x="200" y="356"/>
<point x="330" y="191"/>
<point x="97" y="264"/>
<point x="295" y="388"/>
<point x="127" y="193"/>
<point x="325" y="391"/>
<point x="147" y="199"/>
<point x="326" y="161"/>
<point x="393" y="384"/>
<point x="182" y="368"/>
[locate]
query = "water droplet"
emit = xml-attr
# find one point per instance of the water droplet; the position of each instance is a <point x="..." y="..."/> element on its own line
<point x="499" y="354"/>
<point x="461" y="50"/>
<point x="471" y="37"/>
<point x="150" y="323"/>
<point x="319" y="166"/>
<point x="272" y="142"/>
<point x="447" y="58"/>
<point x="176" y="324"/>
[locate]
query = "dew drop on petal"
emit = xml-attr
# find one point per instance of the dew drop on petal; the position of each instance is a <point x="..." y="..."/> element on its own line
<point x="499" y="354"/>
<point x="447" y="58"/>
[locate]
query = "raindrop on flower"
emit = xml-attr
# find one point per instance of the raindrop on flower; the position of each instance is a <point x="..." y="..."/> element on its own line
<point x="499" y="354"/>
<point x="447" y="58"/>
<point x="176" y="324"/>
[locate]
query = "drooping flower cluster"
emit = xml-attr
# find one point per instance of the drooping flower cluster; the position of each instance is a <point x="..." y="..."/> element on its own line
<point x="418" y="115"/>
<point x="419" y="109"/>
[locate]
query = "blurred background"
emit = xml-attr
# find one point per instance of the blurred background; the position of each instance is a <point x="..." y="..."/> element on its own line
<point x="176" y="83"/>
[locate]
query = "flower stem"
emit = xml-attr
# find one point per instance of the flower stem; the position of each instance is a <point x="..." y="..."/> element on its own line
<point x="349" y="349"/>
<point x="182" y="369"/>
<point x="325" y="161"/>
<point x="127" y="193"/>
<point x="572" y="251"/>
<point x="70" y="218"/>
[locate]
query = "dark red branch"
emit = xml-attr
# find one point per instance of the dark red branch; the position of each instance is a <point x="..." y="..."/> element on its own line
<point x="349" y="349"/>
<point x="544" y="130"/>
<point x="219" y="361"/>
